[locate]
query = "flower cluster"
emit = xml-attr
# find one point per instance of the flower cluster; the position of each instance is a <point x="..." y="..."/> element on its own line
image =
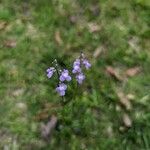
<point x="78" y="66"/>
<point x="63" y="75"/>
<point x="61" y="89"/>
<point x="50" y="71"/>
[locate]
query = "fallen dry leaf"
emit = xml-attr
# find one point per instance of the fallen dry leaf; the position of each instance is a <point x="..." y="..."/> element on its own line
<point x="94" y="27"/>
<point x="124" y="100"/>
<point x="127" y="121"/>
<point x="44" y="114"/>
<point x="133" y="71"/>
<point x="50" y="106"/>
<point x="58" y="38"/>
<point x="98" y="51"/>
<point x="41" y="115"/>
<point x="73" y="19"/>
<point x="113" y="72"/>
<point x="46" y="129"/>
<point x="3" y="25"/>
<point x="10" y="43"/>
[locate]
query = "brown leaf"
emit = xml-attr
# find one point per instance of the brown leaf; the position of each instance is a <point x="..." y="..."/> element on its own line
<point x="124" y="100"/>
<point x="113" y="72"/>
<point x="50" y="106"/>
<point x="47" y="108"/>
<point x="10" y="43"/>
<point x="98" y="51"/>
<point x="2" y="25"/>
<point x="127" y="121"/>
<point x="41" y="116"/>
<point x="58" y="38"/>
<point x="93" y="27"/>
<point x="133" y="71"/>
<point x="73" y="19"/>
<point x="46" y="129"/>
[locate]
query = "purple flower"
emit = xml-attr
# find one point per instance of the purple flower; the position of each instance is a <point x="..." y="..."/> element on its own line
<point x="80" y="77"/>
<point x="76" y="62"/>
<point x="76" y="66"/>
<point x="61" y="89"/>
<point x="50" y="72"/>
<point x="76" y="69"/>
<point x="65" y="76"/>
<point x="86" y="63"/>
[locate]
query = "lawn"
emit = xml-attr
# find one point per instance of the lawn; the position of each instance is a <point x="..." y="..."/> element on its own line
<point x="110" y="110"/>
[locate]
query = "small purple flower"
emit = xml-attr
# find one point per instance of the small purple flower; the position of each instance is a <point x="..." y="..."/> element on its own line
<point x="65" y="76"/>
<point x="76" y="66"/>
<point x="50" y="72"/>
<point x="86" y="63"/>
<point x="76" y="69"/>
<point x="76" y="62"/>
<point x="61" y="89"/>
<point x="80" y="77"/>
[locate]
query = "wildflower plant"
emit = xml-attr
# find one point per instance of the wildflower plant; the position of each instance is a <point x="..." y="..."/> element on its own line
<point x="64" y="76"/>
<point x="78" y="66"/>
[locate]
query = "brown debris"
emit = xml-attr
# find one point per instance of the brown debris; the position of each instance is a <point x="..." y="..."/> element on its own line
<point x="3" y="24"/>
<point x="133" y="71"/>
<point x="73" y="19"/>
<point x="47" y="108"/>
<point x="46" y="129"/>
<point x="124" y="101"/>
<point x="127" y="121"/>
<point x="113" y="72"/>
<point x="58" y="38"/>
<point x="41" y="116"/>
<point x="10" y="43"/>
<point x="98" y="51"/>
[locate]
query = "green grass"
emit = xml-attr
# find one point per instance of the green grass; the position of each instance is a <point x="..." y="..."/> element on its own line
<point x="90" y="121"/>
